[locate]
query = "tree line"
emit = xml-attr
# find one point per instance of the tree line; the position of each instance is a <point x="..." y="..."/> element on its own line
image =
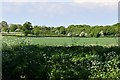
<point x="72" y="30"/>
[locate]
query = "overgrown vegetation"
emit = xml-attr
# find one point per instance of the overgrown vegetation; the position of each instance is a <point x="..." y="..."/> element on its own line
<point x="34" y="62"/>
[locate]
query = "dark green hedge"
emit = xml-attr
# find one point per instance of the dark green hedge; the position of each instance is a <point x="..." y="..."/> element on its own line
<point x="35" y="62"/>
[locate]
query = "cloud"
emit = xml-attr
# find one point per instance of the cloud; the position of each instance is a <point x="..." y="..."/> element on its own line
<point x="52" y="8"/>
<point x="8" y="7"/>
<point x="105" y="2"/>
<point x="36" y="1"/>
<point x="100" y="2"/>
<point x="34" y="8"/>
<point x="95" y="1"/>
<point x="19" y="0"/>
<point x="47" y="8"/>
<point x="77" y="2"/>
<point x="92" y="4"/>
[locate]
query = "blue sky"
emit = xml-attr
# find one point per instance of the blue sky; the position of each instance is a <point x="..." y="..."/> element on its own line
<point x="61" y="12"/>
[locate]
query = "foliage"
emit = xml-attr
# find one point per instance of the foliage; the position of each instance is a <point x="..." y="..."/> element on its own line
<point x="4" y="29"/>
<point x="51" y="63"/>
<point x="4" y="24"/>
<point x="74" y="30"/>
<point x="13" y="27"/>
<point x="27" y="27"/>
<point x="36" y="30"/>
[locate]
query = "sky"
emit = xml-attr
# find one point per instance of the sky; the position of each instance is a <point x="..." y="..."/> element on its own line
<point x="60" y="12"/>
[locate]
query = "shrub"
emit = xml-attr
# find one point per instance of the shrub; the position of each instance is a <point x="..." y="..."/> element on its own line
<point x="51" y="63"/>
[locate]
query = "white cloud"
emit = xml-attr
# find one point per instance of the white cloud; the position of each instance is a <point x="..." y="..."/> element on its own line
<point x="36" y="0"/>
<point x="94" y="2"/>
<point x="100" y="2"/>
<point x="19" y="0"/>
<point x="91" y="4"/>
<point x="45" y="9"/>
<point x="54" y="8"/>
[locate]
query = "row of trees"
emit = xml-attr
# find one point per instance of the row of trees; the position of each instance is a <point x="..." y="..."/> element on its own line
<point x="71" y="30"/>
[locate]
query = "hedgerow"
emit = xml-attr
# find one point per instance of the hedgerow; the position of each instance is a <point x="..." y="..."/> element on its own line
<point x="34" y="62"/>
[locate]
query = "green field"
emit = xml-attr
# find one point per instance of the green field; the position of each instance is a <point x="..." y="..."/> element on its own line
<point x="60" y="41"/>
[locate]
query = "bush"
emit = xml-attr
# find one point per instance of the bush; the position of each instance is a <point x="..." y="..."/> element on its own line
<point x="51" y="63"/>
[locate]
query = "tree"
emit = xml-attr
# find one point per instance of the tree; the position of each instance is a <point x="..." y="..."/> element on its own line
<point x="13" y="27"/>
<point x="62" y="30"/>
<point x="4" y="26"/>
<point x="36" y="30"/>
<point x="4" y="29"/>
<point x="27" y="27"/>
<point x="19" y="27"/>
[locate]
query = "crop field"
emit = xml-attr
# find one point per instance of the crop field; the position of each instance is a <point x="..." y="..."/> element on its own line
<point x="60" y="41"/>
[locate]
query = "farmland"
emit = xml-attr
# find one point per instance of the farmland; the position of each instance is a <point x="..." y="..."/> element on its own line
<point x="60" y="41"/>
<point x="62" y="58"/>
<point x="79" y="52"/>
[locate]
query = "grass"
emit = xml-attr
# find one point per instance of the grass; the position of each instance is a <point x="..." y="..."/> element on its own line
<point x="60" y="41"/>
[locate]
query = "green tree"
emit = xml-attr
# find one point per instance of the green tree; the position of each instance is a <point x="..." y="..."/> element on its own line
<point x="36" y="30"/>
<point x="62" y="30"/>
<point x="4" y="29"/>
<point x="27" y="27"/>
<point x="13" y="27"/>
<point x="19" y="27"/>
<point x="4" y="26"/>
